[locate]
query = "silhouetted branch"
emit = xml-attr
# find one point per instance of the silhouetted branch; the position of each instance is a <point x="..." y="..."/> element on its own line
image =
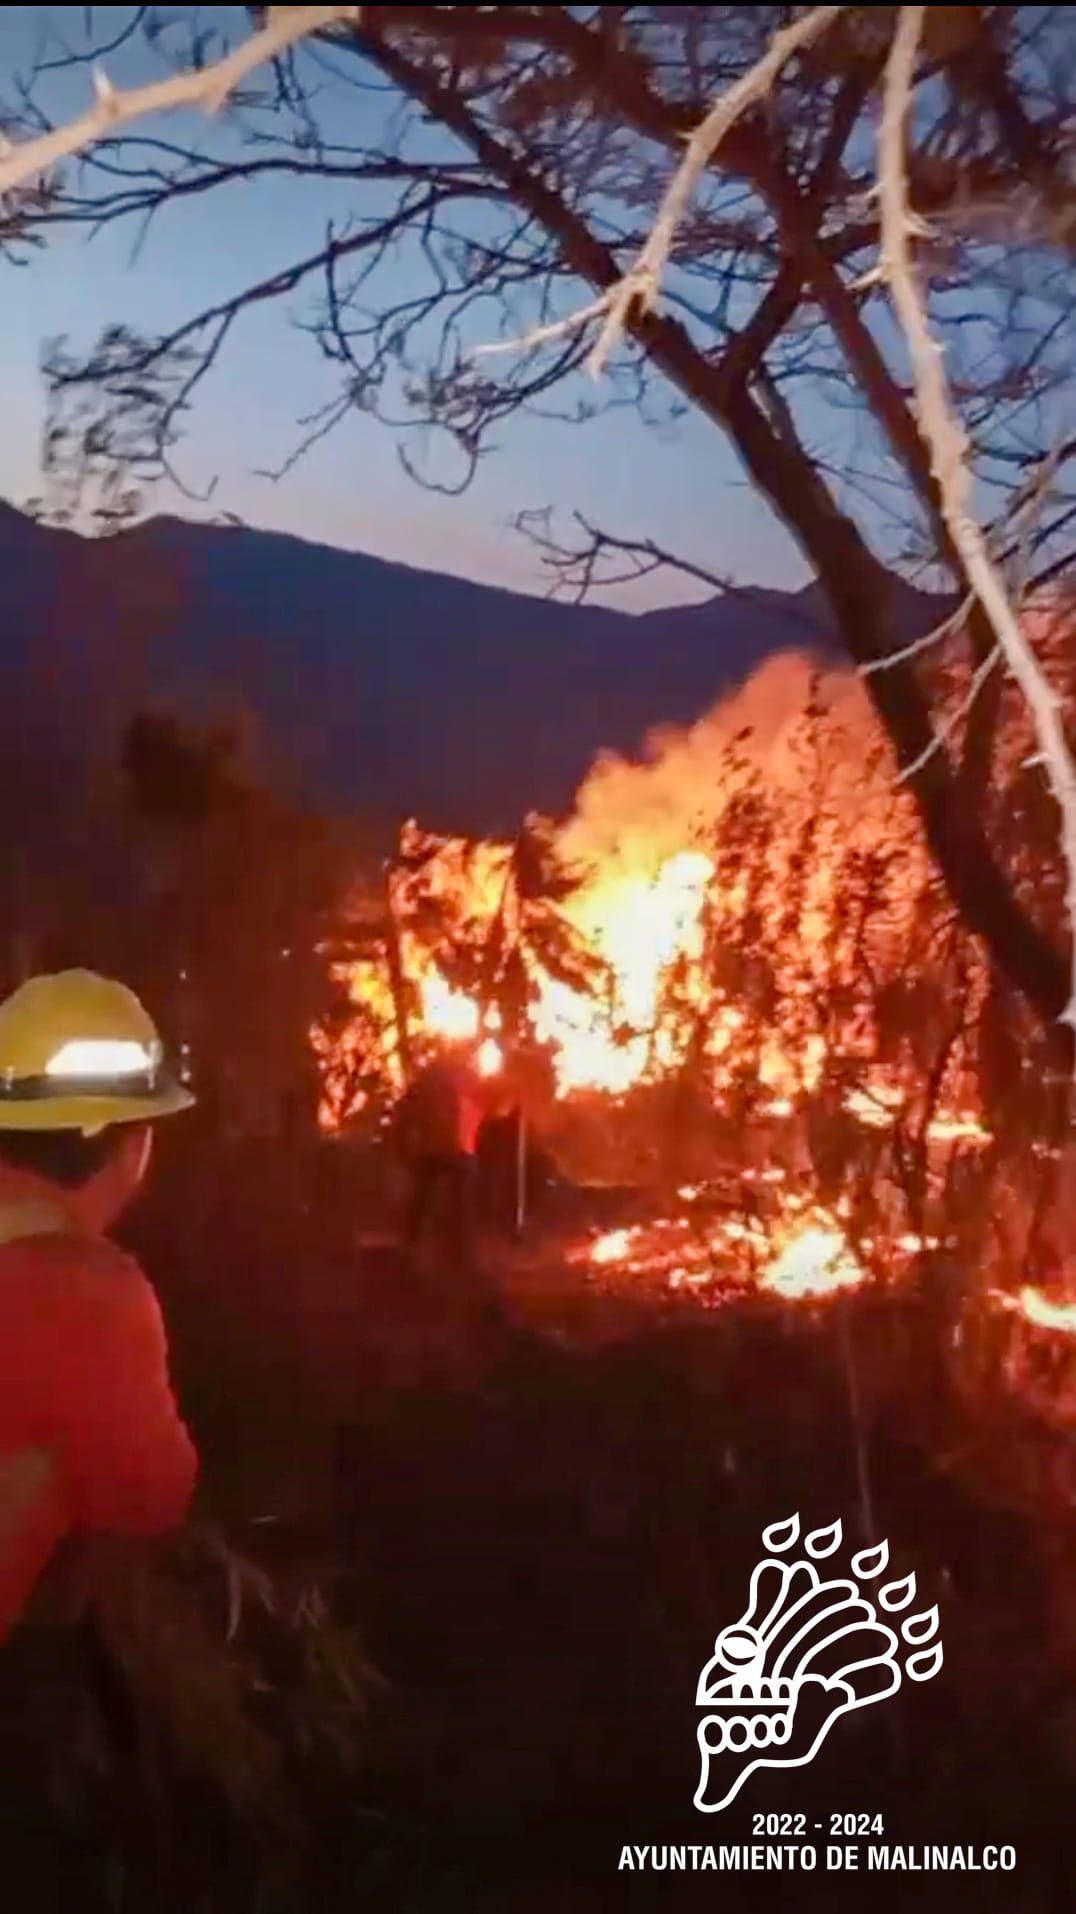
<point x="949" y="448"/>
<point x="600" y="560"/>
<point x="640" y="286"/>
<point x="206" y="88"/>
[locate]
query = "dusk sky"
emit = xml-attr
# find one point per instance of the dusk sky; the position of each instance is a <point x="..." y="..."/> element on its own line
<point x="679" y="484"/>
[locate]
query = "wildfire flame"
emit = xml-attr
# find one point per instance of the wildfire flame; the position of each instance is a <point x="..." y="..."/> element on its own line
<point x="818" y="1261"/>
<point x="652" y="908"/>
<point x="640" y="923"/>
<point x="687" y="970"/>
<point x="490" y="1058"/>
<point x="813" y="1260"/>
<point x="1039" y="1309"/>
<point x="448" y="1012"/>
<point x="615" y="1246"/>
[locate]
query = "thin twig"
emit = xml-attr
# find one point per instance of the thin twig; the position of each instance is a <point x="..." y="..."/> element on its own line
<point x="979" y="677"/>
<point x="943" y="433"/>
<point x="544" y="335"/>
<point x="925" y="643"/>
<point x="641" y="283"/>
<point x="207" y="88"/>
<point x="1026" y="510"/>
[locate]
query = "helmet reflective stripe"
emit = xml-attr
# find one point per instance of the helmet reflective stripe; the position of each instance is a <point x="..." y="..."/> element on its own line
<point x="103" y="1058"/>
<point x="39" y="1089"/>
<point x="78" y="1052"/>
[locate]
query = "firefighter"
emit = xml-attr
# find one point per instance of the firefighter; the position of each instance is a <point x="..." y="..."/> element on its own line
<point x="90" y="1436"/>
<point x="437" y="1125"/>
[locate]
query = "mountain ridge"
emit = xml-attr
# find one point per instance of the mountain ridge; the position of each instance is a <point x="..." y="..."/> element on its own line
<point x="385" y="688"/>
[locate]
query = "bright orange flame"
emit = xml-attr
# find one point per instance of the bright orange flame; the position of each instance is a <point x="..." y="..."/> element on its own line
<point x="661" y="910"/>
<point x="877" y="1107"/>
<point x="446" y="1012"/>
<point x="639" y="922"/>
<point x="613" y="1247"/>
<point x="957" y="1127"/>
<point x="817" y="1261"/>
<point x="490" y="1058"/>
<point x="1038" y="1308"/>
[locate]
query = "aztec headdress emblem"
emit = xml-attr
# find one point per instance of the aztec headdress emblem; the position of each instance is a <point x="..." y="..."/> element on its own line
<point x="805" y="1652"/>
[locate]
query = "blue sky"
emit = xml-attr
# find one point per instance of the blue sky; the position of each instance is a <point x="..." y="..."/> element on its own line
<point x="681" y="484"/>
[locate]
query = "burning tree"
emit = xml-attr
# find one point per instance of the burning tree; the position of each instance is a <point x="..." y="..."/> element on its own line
<point x="459" y="942"/>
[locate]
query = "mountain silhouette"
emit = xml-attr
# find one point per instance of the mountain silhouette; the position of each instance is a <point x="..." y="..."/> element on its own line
<point x="379" y="687"/>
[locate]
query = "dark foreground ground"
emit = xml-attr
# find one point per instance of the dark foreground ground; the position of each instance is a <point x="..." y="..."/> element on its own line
<point x="536" y="1529"/>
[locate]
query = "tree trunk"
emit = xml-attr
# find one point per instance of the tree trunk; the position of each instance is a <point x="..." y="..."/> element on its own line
<point x="397" y="980"/>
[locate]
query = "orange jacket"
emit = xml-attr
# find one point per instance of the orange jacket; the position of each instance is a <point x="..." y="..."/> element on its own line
<point x="90" y="1436"/>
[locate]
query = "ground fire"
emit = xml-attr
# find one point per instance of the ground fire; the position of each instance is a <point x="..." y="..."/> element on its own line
<point x="815" y="1260"/>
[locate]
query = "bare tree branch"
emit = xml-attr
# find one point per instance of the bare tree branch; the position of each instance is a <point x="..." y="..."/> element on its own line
<point x="206" y="87"/>
<point x="952" y="718"/>
<point x="945" y="435"/>
<point x="640" y="285"/>
<point x="605" y="559"/>
<point x="545" y="335"/>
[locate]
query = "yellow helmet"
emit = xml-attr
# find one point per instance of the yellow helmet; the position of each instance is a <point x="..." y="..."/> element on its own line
<point x="79" y="1052"/>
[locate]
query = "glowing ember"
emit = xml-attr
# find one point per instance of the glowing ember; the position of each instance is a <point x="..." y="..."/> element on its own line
<point x="657" y="1248"/>
<point x="613" y="1247"/>
<point x="817" y="1262"/>
<point x="877" y="1108"/>
<point x="490" y="1058"/>
<point x="689" y="1279"/>
<point x="670" y="1250"/>
<point x="957" y="1127"/>
<point x="1041" y="1310"/>
<point x="814" y="1262"/>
